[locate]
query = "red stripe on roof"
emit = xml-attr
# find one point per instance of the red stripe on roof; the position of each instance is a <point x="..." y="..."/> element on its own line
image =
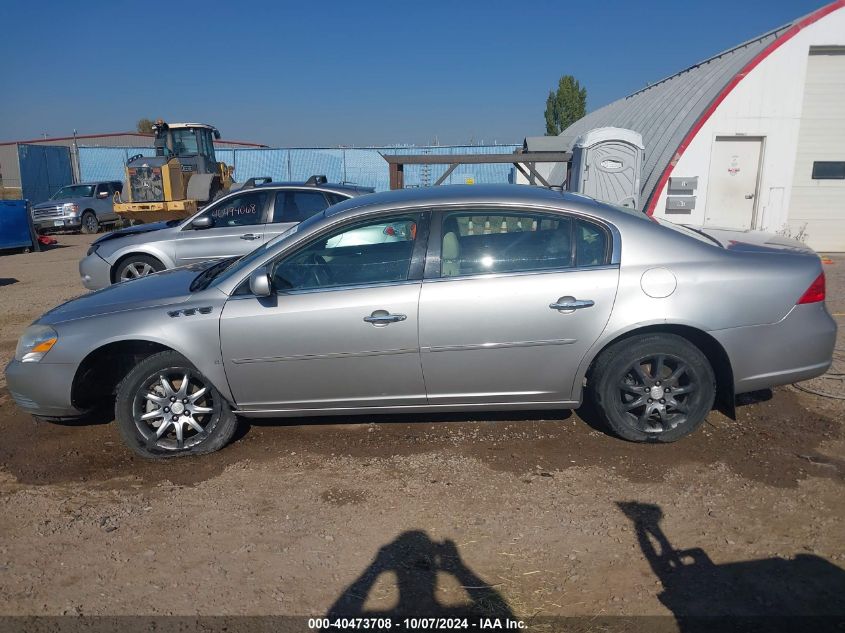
<point x="705" y="116"/>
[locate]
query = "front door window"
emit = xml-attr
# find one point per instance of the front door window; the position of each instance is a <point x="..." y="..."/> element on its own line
<point x="376" y="251"/>
<point x="244" y="210"/>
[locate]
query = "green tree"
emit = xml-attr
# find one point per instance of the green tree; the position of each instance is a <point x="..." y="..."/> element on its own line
<point x="145" y="126"/>
<point x="565" y="106"/>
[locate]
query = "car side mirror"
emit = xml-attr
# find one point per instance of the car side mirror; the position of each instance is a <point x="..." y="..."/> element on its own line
<point x="203" y="222"/>
<point x="103" y="195"/>
<point x="259" y="282"/>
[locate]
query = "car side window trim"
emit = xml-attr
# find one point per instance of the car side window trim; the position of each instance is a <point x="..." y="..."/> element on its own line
<point x="306" y="291"/>
<point x="522" y="273"/>
<point x="433" y="257"/>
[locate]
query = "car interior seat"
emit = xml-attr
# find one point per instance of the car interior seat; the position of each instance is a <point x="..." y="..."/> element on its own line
<point x="450" y="256"/>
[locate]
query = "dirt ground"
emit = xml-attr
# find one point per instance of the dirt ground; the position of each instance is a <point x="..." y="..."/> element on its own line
<point x="526" y="515"/>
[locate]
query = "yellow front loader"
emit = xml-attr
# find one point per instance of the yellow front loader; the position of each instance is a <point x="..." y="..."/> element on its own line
<point x="181" y="178"/>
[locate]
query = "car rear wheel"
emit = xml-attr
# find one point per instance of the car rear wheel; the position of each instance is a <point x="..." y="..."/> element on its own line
<point x="89" y="223"/>
<point x="136" y="266"/>
<point x="653" y="388"/>
<point x="166" y="408"/>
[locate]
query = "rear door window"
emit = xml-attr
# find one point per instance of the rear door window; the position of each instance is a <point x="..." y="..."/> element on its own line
<point x="478" y="243"/>
<point x="295" y="205"/>
<point x="335" y="198"/>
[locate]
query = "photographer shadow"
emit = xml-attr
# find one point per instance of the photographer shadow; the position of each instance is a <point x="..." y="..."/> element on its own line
<point x="806" y="592"/>
<point x="416" y="561"/>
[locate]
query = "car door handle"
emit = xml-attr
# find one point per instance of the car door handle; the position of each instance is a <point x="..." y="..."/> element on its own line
<point x="571" y="303"/>
<point x="250" y="236"/>
<point x="383" y="317"/>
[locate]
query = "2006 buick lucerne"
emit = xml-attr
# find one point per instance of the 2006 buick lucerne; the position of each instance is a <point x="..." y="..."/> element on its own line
<point x="447" y="299"/>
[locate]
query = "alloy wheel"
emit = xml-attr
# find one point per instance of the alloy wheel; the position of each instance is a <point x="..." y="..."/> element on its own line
<point x="174" y="409"/>
<point x="91" y="223"/>
<point x="135" y="270"/>
<point x="656" y="392"/>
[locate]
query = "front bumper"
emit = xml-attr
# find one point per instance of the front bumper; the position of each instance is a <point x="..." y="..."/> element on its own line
<point x="95" y="272"/>
<point x="57" y="224"/>
<point x="42" y="389"/>
<point x="798" y="347"/>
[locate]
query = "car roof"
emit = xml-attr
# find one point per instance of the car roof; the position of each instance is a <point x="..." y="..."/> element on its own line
<point x="350" y="189"/>
<point x="468" y="194"/>
<point x="91" y="182"/>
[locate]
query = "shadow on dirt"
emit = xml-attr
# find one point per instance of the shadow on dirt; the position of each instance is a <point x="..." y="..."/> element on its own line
<point x="415" y="561"/>
<point x="771" y="594"/>
<point x="7" y="281"/>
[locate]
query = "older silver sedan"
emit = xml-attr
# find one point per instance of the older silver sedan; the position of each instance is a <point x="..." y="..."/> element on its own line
<point x="483" y="298"/>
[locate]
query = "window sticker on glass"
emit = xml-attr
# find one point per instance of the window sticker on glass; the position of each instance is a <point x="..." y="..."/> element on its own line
<point x="247" y="208"/>
<point x="239" y="211"/>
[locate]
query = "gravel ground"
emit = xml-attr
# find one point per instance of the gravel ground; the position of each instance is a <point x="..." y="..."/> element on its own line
<point x="531" y="516"/>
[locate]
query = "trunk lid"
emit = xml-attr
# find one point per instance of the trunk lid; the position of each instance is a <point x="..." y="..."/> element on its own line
<point x="753" y="241"/>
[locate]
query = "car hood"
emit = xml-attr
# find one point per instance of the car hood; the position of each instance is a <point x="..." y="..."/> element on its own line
<point x="138" y="229"/>
<point x="754" y="241"/>
<point x="49" y="204"/>
<point x="168" y="287"/>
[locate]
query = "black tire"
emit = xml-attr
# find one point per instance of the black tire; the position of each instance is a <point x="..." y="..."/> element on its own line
<point x="208" y="411"/>
<point x="667" y="399"/>
<point x="135" y="266"/>
<point x="216" y="192"/>
<point x="89" y="223"/>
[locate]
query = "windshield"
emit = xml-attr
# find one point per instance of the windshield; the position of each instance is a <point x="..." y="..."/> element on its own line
<point x="74" y="191"/>
<point x="184" y="141"/>
<point x="245" y="262"/>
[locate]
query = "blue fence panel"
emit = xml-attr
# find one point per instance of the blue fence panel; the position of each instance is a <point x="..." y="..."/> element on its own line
<point x="108" y="163"/>
<point x="225" y="155"/>
<point x="44" y="170"/>
<point x="361" y="166"/>
<point x="258" y="163"/>
<point x="366" y="167"/>
<point x="305" y="163"/>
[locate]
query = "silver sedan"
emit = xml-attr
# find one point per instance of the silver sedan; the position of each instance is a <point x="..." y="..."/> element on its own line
<point x="447" y="299"/>
<point x="231" y="226"/>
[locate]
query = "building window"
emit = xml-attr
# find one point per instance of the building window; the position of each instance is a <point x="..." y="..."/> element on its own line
<point x="829" y="170"/>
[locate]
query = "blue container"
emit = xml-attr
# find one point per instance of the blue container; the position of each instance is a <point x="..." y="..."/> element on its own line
<point x="15" y="225"/>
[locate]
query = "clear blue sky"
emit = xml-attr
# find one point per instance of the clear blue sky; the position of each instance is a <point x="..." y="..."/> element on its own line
<point x="350" y="72"/>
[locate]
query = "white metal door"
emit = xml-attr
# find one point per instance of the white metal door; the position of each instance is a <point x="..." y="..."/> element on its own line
<point x="818" y="187"/>
<point x="732" y="185"/>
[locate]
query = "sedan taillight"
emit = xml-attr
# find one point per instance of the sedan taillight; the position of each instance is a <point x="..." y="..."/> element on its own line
<point x="815" y="292"/>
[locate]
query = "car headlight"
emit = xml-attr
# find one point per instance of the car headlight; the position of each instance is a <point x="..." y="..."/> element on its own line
<point x="71" y="209"/>
<point x="35" y="343"/>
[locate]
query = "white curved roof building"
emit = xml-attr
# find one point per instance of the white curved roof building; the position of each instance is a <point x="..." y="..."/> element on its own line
<point x="752" y="138"/>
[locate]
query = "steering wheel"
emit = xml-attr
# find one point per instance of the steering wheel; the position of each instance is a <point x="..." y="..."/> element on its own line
<point x="319" y="270"/>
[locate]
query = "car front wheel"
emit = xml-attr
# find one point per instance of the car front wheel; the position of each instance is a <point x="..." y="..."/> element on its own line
<point x="656" y="388"/>
<point x="166" y="408"/>
<point x="89" y="223"/>
<point x="136" y="266"/>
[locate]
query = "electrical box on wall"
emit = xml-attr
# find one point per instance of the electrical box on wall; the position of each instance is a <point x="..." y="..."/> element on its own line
<point x="606" y="165"/>
<point x="681" y="199"/>
<point x="683" y="185"/>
